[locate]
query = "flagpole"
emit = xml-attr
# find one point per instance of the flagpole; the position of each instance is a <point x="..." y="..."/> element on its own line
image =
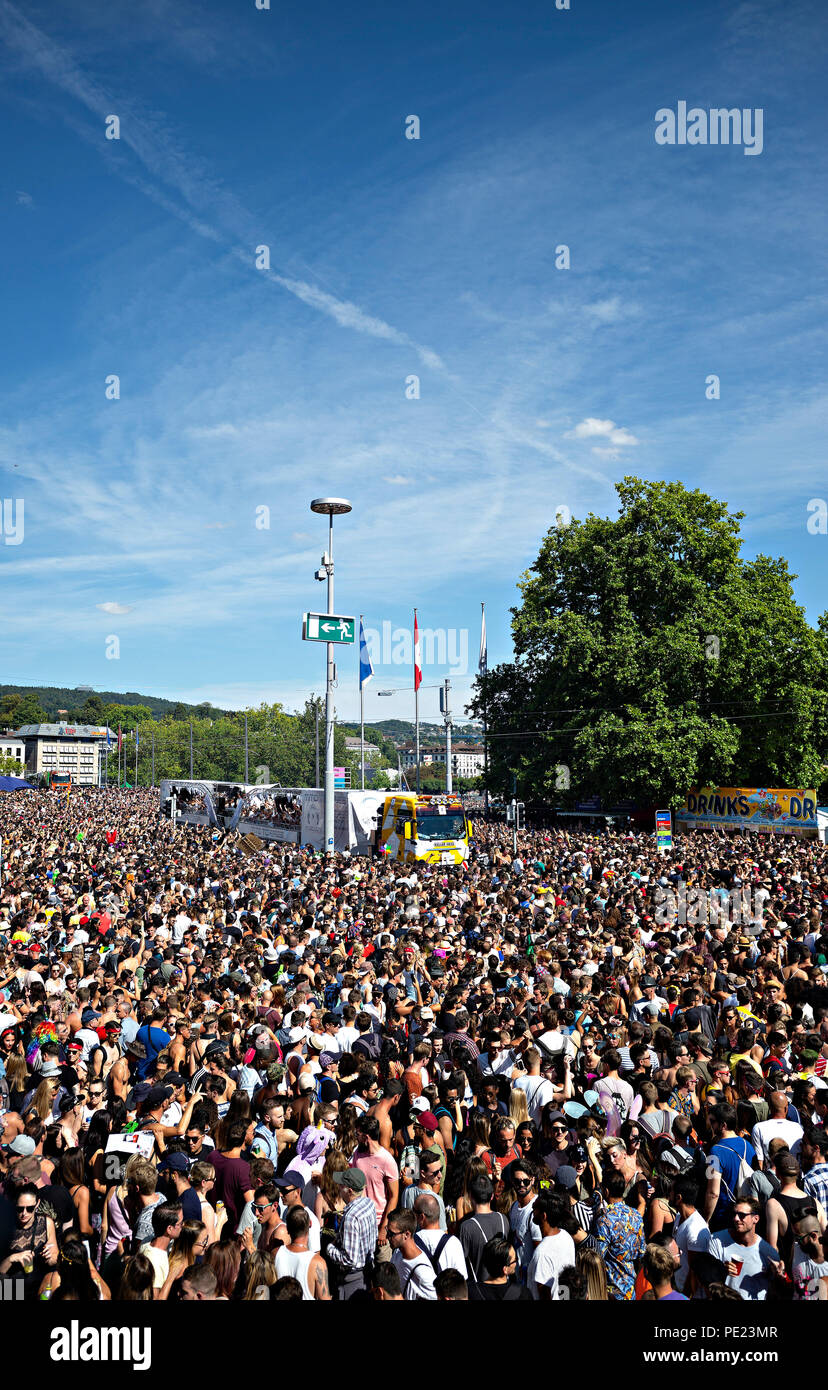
<point x="416" y="710"/>
<point x="137" y="736"/>
<point x="361" y="712"/>
<point x="484" y="663"/>
<point x="153" y="757"/>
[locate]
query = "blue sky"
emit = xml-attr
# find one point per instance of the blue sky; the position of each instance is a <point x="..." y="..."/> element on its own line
<point x="242" y="388"/>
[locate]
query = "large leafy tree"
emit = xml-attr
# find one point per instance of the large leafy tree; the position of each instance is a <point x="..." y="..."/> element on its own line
<point x="651" y="657"/>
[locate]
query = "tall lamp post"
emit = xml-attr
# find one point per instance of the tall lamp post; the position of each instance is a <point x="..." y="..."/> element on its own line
<point x="330" y="507"/>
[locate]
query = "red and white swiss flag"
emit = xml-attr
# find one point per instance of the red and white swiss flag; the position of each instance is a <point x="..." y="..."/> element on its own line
<point x="418" y="669"/>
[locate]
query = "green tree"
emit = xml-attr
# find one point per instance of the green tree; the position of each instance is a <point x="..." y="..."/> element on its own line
<point x="29" y="711"/>
<point x="10" y="767"/>
<point x="650" y="657"/>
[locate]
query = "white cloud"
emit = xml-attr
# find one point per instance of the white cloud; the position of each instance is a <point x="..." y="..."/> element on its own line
<point x="300" y="536"/>
<point x="611" y="310"/>
<point x="397" y="480"/>
<point x="223" y="431"/>
<point x="606" y="453"/>
<point x="189" y="177"/>
<point x="24" y="199"/>
<point x="115" y="608"/>
<point x="606" y="429"/>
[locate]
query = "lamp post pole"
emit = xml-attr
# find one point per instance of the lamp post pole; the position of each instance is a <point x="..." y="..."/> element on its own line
<point x="330" y="507"/>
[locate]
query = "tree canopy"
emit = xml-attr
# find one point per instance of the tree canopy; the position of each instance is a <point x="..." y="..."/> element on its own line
<point x="651" y="657"/>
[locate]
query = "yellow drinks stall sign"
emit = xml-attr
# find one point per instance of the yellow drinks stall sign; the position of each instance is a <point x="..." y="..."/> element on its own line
<point x="782" y="809"/>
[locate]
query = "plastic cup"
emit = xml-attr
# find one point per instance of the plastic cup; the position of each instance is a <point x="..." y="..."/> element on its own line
<point x="738" y="1264"/>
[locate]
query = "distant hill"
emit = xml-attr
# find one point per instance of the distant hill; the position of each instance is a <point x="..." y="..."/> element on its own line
<point x="53" y="697"/>
<point x="401" y="731"/>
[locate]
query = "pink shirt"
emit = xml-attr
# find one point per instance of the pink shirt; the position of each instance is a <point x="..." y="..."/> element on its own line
<point x="377" y="1167"/>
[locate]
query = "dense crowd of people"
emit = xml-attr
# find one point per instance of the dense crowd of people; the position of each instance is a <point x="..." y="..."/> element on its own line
<point x="533" y="1076"/>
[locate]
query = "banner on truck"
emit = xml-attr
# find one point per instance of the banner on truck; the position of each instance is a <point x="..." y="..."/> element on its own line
<point x="790" y="811"/>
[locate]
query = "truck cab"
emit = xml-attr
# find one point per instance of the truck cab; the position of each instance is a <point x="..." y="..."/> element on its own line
<point x="424" y="829"/>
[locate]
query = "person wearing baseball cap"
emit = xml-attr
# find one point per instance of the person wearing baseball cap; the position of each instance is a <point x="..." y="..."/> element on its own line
<point x="357" y="1238"/>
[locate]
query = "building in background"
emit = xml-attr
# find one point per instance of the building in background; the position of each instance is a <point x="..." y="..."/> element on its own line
<point x="467" y="759"/>
<point x="12" y="746"/>
<point x="76" y="749"/>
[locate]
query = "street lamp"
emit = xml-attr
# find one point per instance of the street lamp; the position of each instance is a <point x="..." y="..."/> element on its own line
<point x="330" y="507"/>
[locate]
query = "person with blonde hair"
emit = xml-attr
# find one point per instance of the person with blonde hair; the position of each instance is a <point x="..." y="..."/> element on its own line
<point x="261" y="1276"/>
<point x="518" y="1107"/>
<point x="590" y="1264"/>
<point x="202" y="1180"/>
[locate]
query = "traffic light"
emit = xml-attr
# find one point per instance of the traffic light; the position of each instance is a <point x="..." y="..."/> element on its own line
<point x="520" y="815"/>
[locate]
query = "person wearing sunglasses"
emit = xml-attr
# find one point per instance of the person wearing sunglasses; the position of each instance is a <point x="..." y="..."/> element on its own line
<point x="271" y="1230"/>
<point x="526" y="1234"/>
<point x="554" y="1140"/>
<point x="34" y="1245"/>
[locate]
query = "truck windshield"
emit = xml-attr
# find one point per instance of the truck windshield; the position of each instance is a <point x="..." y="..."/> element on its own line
<point x="431" y="826"/>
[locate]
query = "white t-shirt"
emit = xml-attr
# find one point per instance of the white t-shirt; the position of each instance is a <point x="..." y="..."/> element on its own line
<point x="552" y="1255"/>
<point x="451" y="1256"/>
<point x="315" y="1232"/>
<point x="172" y="1114"/>
<point x="556" y="1042"/>
<point x="526" y="1232"/>
<point x="89" y="1039"/>
<point x="503" y="1064"/>
<point x="160" y="1261"/>
<point x="617" y="1099"/>
<point x="752" y="1280"/>
<point x="416" y="1277"/>
<point x="692" y="1236"/>
<point x="806" y="1274"/>
<point x="345" y="1038"/>
<point x="180" y="925"/>
<point x="765" y="1130"/>
<point x="538" y="1091"/>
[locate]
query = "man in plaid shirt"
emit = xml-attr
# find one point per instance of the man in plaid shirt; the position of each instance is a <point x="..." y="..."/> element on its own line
<point x="357" y="1239"/>
<point x="815" y="1151"/>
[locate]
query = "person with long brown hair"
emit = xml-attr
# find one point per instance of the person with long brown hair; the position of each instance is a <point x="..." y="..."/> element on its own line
<point x="136" y="1280"/>
<point x="73" y="1177"/>
<point x="329" y="1199"/>
<point x="189" y="1246"/>
<point x="224" y="1258"/>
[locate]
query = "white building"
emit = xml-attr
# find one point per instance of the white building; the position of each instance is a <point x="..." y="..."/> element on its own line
<point x="467" y="759"/>
<point x="12" y="746"/>
<point x="76" y="749"/>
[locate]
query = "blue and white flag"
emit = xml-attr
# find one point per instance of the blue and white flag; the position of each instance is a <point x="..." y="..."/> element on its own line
<point x="366" y="670"/>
